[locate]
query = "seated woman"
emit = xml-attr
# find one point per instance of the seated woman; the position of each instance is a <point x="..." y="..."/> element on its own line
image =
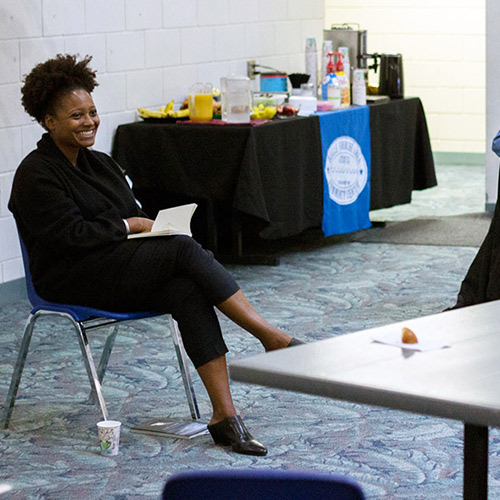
<point x="74" y="208"/>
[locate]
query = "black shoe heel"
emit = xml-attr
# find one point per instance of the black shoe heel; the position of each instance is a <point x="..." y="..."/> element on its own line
<point x="294" y="342"/>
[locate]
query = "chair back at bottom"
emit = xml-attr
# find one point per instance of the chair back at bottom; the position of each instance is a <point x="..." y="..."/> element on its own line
<point x="260" y="484"/>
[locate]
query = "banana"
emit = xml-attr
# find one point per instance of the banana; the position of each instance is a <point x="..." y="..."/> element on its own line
<point x="182" y="113"/>
<point x="169" y="107"/>
<point x="149" y="113"/>
<point x="263" y="113"/>
<point x="166" y="112"/>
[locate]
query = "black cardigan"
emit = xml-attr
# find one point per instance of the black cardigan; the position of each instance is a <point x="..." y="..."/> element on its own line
<point x="71" y="221"/>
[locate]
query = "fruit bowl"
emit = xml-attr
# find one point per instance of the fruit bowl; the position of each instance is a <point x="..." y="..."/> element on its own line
<point x="286" y="111"/>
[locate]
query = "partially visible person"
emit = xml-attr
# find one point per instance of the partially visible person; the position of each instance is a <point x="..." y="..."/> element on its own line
<point x="495" y="146"/>
<point x="482" y="281"/>
<point x="74" y="208"/>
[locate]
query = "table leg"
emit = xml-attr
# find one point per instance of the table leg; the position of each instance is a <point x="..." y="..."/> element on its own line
<point x="237" y="256"/>
<point x="475" y="462"/>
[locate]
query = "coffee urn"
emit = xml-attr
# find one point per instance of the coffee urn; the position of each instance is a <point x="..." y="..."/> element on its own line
<point x="391" y="65"/>
<point x="344" y="35"/>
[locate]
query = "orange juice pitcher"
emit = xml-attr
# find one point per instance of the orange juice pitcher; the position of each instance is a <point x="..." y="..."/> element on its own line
<point x="200" y="102"/>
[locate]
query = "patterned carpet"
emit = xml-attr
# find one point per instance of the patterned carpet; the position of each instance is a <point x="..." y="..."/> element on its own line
<point x="319" y="291"/>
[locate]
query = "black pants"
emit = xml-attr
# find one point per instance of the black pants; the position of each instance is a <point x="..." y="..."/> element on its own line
<point x="176" y="275"/>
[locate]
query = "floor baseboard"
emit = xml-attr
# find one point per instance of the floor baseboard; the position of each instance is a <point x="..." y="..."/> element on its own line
<point x="12" y="291"/>
<point x="449" y="158"/>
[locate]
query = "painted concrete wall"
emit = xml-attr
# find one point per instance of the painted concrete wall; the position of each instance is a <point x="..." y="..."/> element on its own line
<point x="146" y="53"/>
<point x="443" y="47"/>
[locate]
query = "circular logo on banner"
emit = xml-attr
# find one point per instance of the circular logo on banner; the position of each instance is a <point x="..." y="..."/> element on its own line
<point x="345" y="170"/>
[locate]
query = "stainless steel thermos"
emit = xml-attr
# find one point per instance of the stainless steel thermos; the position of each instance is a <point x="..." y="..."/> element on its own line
<point x="391" y="75"/>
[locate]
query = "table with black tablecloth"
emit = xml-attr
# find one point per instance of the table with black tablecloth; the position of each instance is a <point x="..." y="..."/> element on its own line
<point x="401" y="153"/>
<point x="269" y="173"/>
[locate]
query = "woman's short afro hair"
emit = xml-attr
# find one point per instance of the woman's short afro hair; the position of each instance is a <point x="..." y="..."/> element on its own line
<point x="50" y="80"/>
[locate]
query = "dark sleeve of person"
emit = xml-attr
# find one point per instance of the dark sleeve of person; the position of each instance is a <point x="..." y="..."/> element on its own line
<point x="474" y="286"/>
<point x="69" y="212"/>
<point x="482" y="281"/>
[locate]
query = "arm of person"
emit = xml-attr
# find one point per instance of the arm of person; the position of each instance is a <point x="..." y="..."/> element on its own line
<point x="58" y="216"/>
<point x="495" y="146"/>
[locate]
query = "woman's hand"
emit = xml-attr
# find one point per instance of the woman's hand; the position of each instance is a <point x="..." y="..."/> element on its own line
<point x="139" y="224"/>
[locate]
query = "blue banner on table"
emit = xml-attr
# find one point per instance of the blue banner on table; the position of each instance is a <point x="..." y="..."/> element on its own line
<point x="345" y="143"/>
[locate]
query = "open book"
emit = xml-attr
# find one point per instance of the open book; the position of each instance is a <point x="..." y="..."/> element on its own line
<point x="167" y="428"/>
<point x="170" y="221"/>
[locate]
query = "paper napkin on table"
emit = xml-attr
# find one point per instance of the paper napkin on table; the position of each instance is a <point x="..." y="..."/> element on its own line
<point x="394" y="338"/>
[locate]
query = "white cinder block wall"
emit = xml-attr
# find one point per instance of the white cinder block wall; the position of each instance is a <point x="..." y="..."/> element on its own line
<point x="146" y="52"/>
<point x="443" y="47"/>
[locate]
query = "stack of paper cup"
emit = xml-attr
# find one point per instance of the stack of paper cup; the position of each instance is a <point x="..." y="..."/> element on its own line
<point x="312" y="61"/>
<point x="358" y="87"/>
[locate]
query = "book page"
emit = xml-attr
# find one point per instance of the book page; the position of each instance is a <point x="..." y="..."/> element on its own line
<point x="171" y="221"/>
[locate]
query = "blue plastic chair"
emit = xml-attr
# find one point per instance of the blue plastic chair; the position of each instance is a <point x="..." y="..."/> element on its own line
<point x="260" y="484"/>
<point x="84" y="319"/>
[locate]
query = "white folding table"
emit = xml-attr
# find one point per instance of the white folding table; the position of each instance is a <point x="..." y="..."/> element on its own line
<point x="461" y="382"/>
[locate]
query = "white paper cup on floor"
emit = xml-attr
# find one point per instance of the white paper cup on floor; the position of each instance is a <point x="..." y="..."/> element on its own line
<point x="109" y="436"/>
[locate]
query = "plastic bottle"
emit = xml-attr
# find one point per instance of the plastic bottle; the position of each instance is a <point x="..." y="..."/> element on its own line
<point x="333" y="92"/>
<point x="330" y="70"/>
<point x="330" y="89"/>
<point x="326" y="49"/>
<point x="346" y="62"/>
<point x="345" y="91"/>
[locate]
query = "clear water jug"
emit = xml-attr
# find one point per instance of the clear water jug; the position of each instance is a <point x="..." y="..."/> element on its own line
<point x="236" y="99"/>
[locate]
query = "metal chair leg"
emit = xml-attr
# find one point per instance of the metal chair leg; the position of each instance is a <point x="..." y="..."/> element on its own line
<point x="103" y="362"/>
<point x="90" y="367"/>
<point x="184" y="367"/>
<point x="18" y="370"/>
<point x="96" y="375"/>
<point x="106" y="353"/>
